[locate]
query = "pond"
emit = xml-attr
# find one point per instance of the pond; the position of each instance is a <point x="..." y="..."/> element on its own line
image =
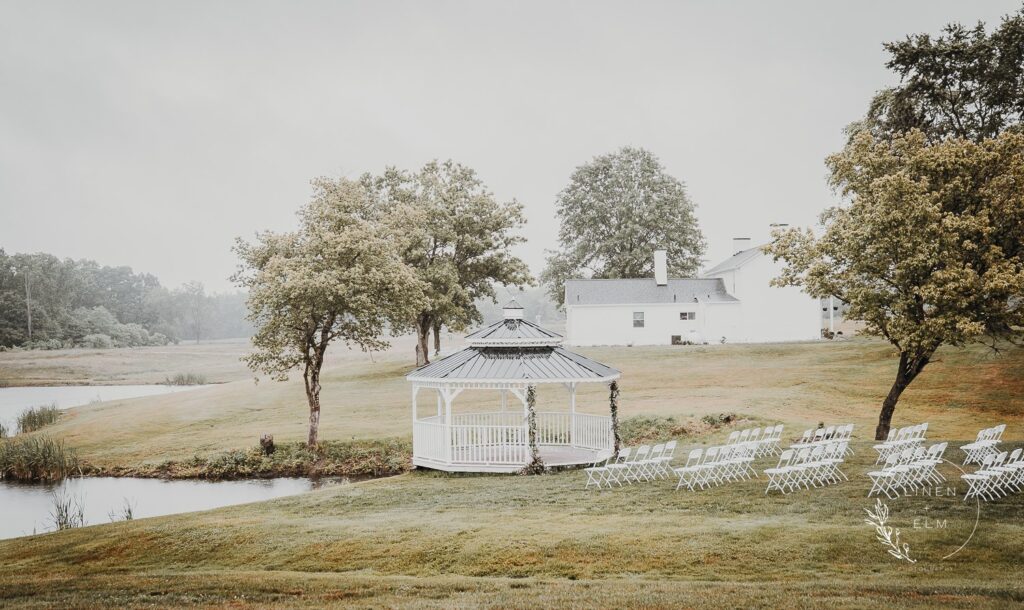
<point x="26" y="507"/>
<point x="15" y="400"/>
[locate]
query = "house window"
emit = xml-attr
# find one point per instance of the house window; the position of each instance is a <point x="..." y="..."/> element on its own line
<point x="638" y="319"/>
<point x="687" y="315"/>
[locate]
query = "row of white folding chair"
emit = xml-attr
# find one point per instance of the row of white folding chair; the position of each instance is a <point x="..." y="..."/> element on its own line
<point x="808" y="467"/>
<point x="767" y="441"/>
<point x="984" y="445"/>
<point x="909" y="436"/>
<point x="909" y="469"/>
<point x="717" y="465"/>
<point x="644" y="464"/>
<point x="823" y="436"/>
<point x="999" y="475"/>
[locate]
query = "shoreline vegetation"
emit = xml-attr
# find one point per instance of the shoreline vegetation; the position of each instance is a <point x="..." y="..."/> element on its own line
<point x="361" y="458"/>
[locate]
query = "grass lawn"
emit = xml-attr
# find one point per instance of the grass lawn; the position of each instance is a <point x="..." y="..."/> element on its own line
<point x="217" y="361"/>
<point x="429" y="540"/>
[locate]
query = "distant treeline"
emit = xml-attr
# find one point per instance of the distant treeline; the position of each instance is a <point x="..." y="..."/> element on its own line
<point x="52" y="303"/>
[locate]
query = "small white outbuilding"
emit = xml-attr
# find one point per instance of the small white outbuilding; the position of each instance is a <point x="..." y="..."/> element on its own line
<point x="732" y="302"/>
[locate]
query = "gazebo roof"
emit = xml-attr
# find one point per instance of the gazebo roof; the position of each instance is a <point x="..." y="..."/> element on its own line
<point x="513" y="351"/>
<point x="513" y="332"/>
<point x="514" y="364"/>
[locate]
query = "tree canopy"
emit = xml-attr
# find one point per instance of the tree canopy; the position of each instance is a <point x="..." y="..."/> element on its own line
<point x="965" y="83"/>
<point x="929" y="248"/>
<point x="79" y="303"/>
<point x="456" y="236"/>
<point x="615" y="212"/>
<point x="338" y="278"/>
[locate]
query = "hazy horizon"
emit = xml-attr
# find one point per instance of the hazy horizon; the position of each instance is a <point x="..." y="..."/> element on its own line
<point x="152" y="135"/>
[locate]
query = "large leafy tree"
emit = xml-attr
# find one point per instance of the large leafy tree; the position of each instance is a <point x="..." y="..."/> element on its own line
<point x="965" y="83"/>
<point x="456" y="236"/>
<point x="338" y="279"/>
<point x="928" y="248"/>
<point x="616" y="211"/>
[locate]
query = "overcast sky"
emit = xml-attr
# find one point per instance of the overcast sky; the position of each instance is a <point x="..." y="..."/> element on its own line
<point x="152" y="134"/>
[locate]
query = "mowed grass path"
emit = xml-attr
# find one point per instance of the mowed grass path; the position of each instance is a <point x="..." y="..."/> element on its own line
<point x="797" y="384"/>
<point x="431" y="540"/>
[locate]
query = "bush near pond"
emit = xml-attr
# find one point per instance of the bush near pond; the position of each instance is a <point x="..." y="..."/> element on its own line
<point x="330" y="458"/>
<point x="35" y="418"/>
<point x="37" y="458"/>
<point x="186" y="379"/>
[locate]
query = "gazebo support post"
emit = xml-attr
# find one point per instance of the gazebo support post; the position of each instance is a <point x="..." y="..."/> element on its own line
<point x="613" y="405"/>
<point x="536" y="465"/>
<point x="415" y="391"/>
<point x="572" y="415"/>
<point x="447" y="425"/>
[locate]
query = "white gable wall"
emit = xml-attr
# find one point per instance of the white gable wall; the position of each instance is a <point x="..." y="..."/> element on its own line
<point x="613" y="324"/>
<point x="769" y="313"/>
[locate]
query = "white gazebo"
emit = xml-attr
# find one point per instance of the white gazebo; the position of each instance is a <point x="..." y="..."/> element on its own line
<point x="512" y="356"/>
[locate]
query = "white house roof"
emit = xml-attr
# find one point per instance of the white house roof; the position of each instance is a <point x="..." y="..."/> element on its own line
<point x="646" y="291"/>
<point x="736" y="260"/>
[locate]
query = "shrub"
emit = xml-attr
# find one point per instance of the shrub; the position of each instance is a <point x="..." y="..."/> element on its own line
<point x="48" y="344"/>
<point x="68" y="511"/>
<point x="646" y="428"/>
<point x="125" y="513"/>
<point x="295" y="459"/>
<point x="37" y="458"/>
<point x="185" y="379"/>
<point x="3" y="430"/>
<point x="97" y="341"/>
<point x="35" y="418"/>
<point x="719" y="419"/>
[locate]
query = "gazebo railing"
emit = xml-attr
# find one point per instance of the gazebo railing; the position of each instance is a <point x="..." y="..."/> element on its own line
<point x="428" y="439"/>
<point x="592" y="431"/>
<point x="553" y="428"/>
<point x="484" y="444"/>
<point x="501" y="437"/>
<point x="495" y="418"/>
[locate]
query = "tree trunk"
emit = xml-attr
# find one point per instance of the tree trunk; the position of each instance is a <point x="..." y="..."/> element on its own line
<point x="423" y="326"/>
<point x="536" y="465"/>
<point x="437" y="338"/>
<point x="613" y="405"/>
<point x="312" y="379"/>
<point x="907" y="370"/>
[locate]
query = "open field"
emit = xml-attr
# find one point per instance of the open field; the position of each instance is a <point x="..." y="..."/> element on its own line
<point x="430" y="540"/>
<point x="218" y="361"/>
<point x="798" y="384"/>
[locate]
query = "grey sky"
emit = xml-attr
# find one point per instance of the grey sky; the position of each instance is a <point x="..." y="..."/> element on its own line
<point x="153" y="133"/>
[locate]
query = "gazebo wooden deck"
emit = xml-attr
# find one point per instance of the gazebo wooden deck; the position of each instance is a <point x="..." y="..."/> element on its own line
<point x="511" y="356"/>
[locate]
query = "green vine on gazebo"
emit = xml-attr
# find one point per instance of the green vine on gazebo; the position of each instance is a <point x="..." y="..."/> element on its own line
<point x="613" y="400"/>
<point x="536" y="465"/>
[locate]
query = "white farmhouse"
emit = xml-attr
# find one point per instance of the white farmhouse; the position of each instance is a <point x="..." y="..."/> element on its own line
<point x="733" y="302"/>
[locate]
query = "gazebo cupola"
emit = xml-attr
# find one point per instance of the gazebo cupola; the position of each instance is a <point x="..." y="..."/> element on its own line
<point x="512" y="356"/>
